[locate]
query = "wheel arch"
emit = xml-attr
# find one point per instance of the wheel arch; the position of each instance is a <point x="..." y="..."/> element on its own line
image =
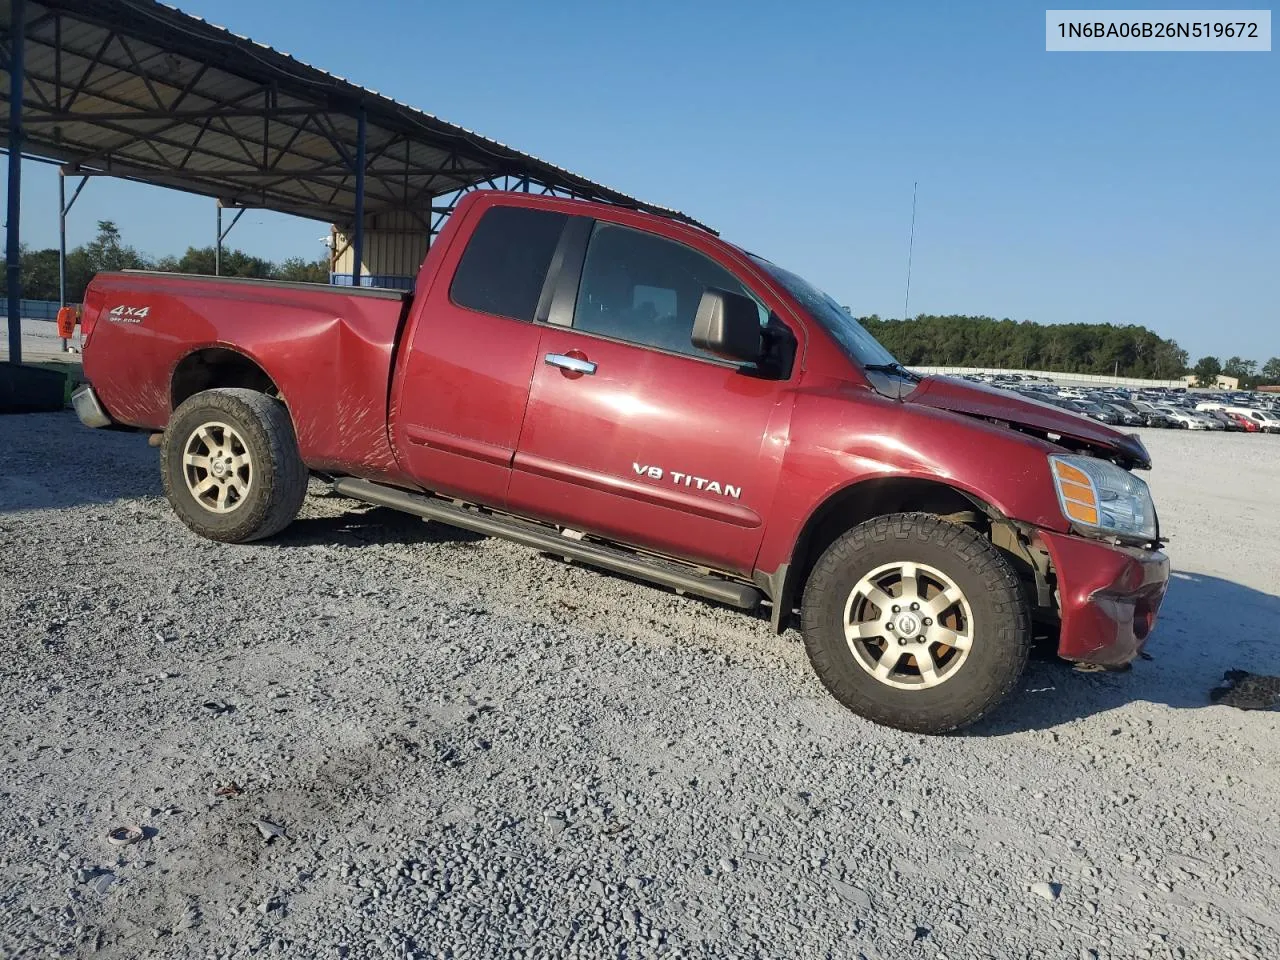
<point x="854" y="504"/>
<point x="215" y="366"/>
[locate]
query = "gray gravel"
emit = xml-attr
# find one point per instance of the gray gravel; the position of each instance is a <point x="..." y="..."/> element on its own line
<point x="454" y="747"/>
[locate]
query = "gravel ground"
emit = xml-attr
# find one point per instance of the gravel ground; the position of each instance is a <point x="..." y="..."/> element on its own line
<point x="471" y="750"/>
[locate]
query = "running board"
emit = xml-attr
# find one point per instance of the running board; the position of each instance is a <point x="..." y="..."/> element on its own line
<point x="740" y="595"/>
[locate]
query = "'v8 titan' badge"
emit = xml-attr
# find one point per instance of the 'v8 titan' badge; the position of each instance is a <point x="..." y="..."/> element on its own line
<point x="688" y="480"/>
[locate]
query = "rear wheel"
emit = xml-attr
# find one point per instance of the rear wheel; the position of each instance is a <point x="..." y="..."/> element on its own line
<point x="916" y="623"/>
<point x="231" y="466"/>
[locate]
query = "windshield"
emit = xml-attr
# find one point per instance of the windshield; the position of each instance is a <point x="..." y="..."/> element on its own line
<point x="857" y="343"/>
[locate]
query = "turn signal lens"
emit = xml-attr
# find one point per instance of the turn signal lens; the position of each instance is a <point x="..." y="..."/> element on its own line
<point x="1076" y="492"/>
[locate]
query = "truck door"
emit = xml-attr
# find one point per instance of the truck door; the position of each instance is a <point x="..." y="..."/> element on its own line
<point x="472" y="346"/>
<point x="634" y="434"/>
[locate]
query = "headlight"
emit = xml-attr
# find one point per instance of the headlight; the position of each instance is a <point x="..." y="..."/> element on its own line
<point x="1100" y="499"/>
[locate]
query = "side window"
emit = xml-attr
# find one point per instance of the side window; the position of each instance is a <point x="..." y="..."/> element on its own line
<point x="645" y="289"/>
<point x="505" y="264"/>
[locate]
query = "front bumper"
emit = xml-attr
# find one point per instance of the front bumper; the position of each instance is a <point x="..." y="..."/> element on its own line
<point x="1108" y="597"/>
<point x="88" y="408"/>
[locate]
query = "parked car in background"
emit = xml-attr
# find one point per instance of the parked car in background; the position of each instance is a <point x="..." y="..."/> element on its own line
<point x="1267" y="422"/>
<point x="1227" y="423"/>
<point x="1184" y="418"/>
<point x="1240" y="421"/>
<point x="1148" y="408"/>
<point x="1098" y="411"/>
<point x="1128" y="418"/>
<point x="1147" y="417"/>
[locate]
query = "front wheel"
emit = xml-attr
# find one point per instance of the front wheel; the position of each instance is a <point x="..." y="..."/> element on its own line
<point x="231" y="465"/>
<point x="916" y="623"/>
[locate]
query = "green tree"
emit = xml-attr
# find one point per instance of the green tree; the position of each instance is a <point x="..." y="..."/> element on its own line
<point x="303" y="271"/>
<point x="1130" y="350"/>
<point x="104" y="252"/>
<point x="1271" y="370"/>
<point x="1207" y="370"/>
<point x="107" y="251"/>
<point x="1243" y="370"/>
<point x="1238" y="367"/>
<point x="40" y="274"/>
<point x="204" y="261"/>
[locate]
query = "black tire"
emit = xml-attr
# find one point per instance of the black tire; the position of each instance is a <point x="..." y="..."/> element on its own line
<point x="1000" y="630"/>
<point x="275" y="481"/>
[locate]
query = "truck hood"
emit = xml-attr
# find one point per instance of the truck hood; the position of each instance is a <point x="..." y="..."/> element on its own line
<point x="1040" y="419"/>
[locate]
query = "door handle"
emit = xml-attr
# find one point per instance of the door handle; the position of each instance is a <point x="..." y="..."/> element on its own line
<point x="572" y="364"/>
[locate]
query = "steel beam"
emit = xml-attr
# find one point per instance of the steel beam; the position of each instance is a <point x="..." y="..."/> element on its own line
<point x="222" y="235"/>
<point x="13" y="249"/>
<point x="357" y="247"/>
<point x="88" y="71"/>
<point x="178" y="116"/>
<point x="63" y="209"/>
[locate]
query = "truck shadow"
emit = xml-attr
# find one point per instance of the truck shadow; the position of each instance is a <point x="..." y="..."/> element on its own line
<point x="371" y="527"/>
<point x="1207" y="626"/>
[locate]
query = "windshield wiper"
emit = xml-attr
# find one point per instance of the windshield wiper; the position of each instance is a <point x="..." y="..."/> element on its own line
<point x="894" y="367"/>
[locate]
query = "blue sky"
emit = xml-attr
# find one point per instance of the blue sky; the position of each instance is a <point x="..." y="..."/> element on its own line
<point x="1124" y="188"/>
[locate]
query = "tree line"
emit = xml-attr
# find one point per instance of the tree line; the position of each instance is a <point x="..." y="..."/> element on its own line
<point x="108" y="251"/>
<point x="1099" y="348"/>
<point x="964" y="341"/>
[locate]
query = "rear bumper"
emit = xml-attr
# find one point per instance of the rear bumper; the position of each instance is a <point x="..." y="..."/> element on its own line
<point x="88" y="408"/>
<point x="1108" y="597"/>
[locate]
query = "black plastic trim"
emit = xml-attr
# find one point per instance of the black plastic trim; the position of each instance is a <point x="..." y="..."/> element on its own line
<point x="573" y="254"/>
<point x="740" y="595"/>
<point x="570" y="249"/>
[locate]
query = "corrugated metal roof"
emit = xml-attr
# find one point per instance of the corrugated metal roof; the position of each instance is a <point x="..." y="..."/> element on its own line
<point x="142" y="90"/>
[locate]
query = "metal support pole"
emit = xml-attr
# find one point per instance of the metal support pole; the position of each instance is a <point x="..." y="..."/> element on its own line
<point x="222" y="235"/>
<point x="357" y="246"/>
<point x="62" y="246"/>
<point x="13" y="252"/>
<point x="63" y="209"/>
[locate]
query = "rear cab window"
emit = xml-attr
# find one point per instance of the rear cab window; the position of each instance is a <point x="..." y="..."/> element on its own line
<point x="504" y="268"/>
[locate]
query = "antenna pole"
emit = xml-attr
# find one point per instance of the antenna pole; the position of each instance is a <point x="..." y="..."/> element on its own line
<point x="911" y="244"/>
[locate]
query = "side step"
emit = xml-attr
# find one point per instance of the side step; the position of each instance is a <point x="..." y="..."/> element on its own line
<point x="672" y="575"/>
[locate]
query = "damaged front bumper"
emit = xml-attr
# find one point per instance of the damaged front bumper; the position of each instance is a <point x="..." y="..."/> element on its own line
<point x="1108" y="597"/>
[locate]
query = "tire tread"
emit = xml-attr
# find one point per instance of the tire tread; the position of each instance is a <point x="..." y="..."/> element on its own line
<point x="285" y="476"/>
<point x="1009" y="636"/>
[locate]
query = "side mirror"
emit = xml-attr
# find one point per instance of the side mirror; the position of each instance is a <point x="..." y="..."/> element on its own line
<point x="728" y="325"/>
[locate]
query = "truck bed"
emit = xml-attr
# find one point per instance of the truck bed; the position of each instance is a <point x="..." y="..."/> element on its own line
<point x="327" y="352"/>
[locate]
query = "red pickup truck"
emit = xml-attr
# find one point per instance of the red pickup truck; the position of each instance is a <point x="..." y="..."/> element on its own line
<point x="639" y="395"/>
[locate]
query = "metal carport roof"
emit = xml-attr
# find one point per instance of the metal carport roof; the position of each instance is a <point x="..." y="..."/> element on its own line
<point x="141" y="90"/>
